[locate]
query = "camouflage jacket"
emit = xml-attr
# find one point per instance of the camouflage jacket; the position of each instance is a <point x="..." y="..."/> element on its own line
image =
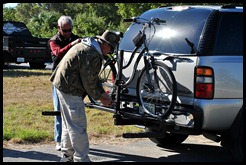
<point x="77" y="73"/>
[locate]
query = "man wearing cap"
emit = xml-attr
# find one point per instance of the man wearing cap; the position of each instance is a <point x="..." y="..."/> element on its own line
<point x="75" y="77"/>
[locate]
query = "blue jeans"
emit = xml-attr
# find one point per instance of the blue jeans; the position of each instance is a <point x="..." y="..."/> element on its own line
<point x="58" y="121"/>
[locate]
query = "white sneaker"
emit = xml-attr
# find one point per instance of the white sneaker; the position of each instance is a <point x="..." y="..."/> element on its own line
<point x="58" y="146"/>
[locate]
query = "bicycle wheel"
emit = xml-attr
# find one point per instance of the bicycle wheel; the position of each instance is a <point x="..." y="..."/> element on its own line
<point x="157" y="97"/>
<point x="107" y="76"/>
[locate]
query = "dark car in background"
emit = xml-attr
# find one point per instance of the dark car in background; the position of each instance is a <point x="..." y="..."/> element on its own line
<point x="19" y="46"/>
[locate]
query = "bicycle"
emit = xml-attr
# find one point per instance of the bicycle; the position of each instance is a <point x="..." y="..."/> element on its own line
<point x="156" y="85"/>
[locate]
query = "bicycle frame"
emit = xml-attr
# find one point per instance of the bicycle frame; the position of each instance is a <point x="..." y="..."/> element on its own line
<point x="139" y="40"/>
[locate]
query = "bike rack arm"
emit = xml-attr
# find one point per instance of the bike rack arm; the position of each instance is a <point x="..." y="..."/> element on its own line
<point x="100" y="107"/>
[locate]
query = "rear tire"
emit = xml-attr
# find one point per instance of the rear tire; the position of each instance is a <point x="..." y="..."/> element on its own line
<point x="233" y="138"/>
<point x="237" y="145"/>
<point x="5" y="66"/>
<point x="159" y="97"/>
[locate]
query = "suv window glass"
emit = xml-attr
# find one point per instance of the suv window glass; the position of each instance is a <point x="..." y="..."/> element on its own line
<point x="170" y="37"/>
<point x="230" y="35"/>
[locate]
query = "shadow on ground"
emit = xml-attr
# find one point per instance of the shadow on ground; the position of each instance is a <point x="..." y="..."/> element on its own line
<point x="182" y="153"/>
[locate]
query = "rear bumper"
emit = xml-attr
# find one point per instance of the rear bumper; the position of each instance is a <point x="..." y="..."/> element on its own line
<point x="204" y="115"/>
<point x="218" y="114"/>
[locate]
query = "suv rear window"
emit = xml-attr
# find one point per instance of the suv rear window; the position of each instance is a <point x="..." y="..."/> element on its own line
<point x="230" y="35"/>
<point x="170" y="37"/>
<point x="188" y="24"/>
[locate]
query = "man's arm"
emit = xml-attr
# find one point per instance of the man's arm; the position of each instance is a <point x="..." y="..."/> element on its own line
<point x="89" y="70"/>
<point x="57" y="50"/>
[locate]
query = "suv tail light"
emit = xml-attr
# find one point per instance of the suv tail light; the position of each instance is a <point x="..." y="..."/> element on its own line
<point x="204" y="82"/>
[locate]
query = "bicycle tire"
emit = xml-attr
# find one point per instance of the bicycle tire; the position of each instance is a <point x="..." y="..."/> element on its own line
<point x="160" y="100"/>
<point x="107" y="76"/>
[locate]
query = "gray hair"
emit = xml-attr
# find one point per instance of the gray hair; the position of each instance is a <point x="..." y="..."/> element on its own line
<point x="64" y="20"/>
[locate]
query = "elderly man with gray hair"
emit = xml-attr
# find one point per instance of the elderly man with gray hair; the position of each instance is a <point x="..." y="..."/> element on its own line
<point x="59" y="45"/>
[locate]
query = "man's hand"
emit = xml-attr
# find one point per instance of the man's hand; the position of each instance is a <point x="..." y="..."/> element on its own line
<point x="75" y="41"/>
<point x="106" y="100"/>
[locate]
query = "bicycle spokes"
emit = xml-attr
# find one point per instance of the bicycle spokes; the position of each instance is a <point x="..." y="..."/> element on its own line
<point x="157" y="98"/>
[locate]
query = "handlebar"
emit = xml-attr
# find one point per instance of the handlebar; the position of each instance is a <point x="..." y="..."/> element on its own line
<point x="137" y="20"/>
<point x="140" y="38"/>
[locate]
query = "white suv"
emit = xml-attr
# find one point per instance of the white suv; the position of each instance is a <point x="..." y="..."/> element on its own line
<point x="210" y="84"/>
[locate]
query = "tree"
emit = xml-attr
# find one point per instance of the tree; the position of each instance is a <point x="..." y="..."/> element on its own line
<point x="26" y="11"/>
<point x="89" y="18"/>
<point x="128" y="10"/>
<point x="44" y="25"/>
<point x="107" y="11"/>
<point x="88" y="24"/>
<point x="9" y="14"/>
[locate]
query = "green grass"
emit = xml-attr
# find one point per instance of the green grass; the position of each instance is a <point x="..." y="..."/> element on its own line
<point x="26" y="93"/>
